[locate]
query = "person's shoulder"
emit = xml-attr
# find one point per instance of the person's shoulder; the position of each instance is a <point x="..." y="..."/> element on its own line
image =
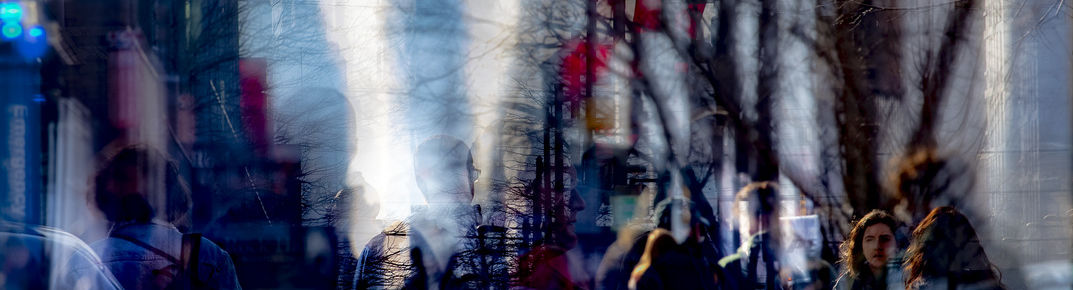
<point x="209" y="246"/>
<point x="398" y="228"/>
<point x="66" y="244"/>
<point x="80" y="260"/>
<point x="56" y="235"/>
<point x="650" y="280"/>
<point x="395" y="229"/>
<point x="211" y="253"/>
<point x="843" y="282"/>
<point x="67" y="241"/>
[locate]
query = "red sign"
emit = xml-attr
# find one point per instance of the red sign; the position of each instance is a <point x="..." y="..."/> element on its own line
<point x="253" y="79"/>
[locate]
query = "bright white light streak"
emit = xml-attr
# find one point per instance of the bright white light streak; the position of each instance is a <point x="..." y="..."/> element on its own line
<point x="491" y="25"/>
<point x="383" y="157"/>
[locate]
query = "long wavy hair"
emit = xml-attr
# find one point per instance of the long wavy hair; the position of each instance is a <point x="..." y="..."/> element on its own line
<point x="852" y="251"/>
<point x="659" y="241"/>
<point x="945" y="245"/>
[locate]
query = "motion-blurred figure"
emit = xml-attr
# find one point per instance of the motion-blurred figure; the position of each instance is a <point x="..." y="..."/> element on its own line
<point x="698" y="236"/>
<point x="754" y="264"/>
<point x="821" y="276"/>
<point x="671" y="262"/>
<point x="37" y="257"/>
<point x="946" y="254"/>
<point x="140" y="192"/>
<point x="622" y="257"/>
<point x="548" y="264"/>
<point x="433" y="248"/>
<point x="925" y="179"/>
<point x="868" y="254"/>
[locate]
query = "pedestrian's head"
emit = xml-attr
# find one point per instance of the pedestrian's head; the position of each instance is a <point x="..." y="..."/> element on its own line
<point x="565" y="204"/>
<point x="870" y="244"/>
<point x="552" y="189"/>
<point x="945" y="246"/>
<point x="923" y="179"/>
<point x="137" y="183"/>
<point x="542" y="177"/>
<point x="756" y="206"/>
<point x="670" y="210"/>
<point x="444" y="170"/>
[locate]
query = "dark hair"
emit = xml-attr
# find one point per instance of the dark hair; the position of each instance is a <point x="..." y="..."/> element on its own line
<point x="762" y="197"/>
<point x="923" y="178"/>
<point x="659" y="241"/>
<point x="946" y="245"/>
<point x="179" y="202"/>
<point x="138" y="204"/>
<point x="851" y="250"/>
<point x="663" y="217"/>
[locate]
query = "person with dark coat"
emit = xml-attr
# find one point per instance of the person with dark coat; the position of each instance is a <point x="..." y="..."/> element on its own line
<point x="753" y="266"/>
<point x="671" y="262"/>
<point x="946" y="254"/>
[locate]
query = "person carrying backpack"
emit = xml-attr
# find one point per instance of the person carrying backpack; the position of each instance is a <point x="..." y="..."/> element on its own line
<point x="143" y="249"/>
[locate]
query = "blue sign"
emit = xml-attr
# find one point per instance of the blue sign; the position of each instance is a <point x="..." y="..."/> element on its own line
<point x="20" y="152"/>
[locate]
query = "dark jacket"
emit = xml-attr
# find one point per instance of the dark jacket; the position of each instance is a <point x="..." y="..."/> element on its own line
<point x="742" y="269"/>
<point x="683" y="267"/>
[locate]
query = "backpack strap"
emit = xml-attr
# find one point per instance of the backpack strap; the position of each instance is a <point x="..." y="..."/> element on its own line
<point x="146" y="246"/>
<point x="190" y="257"/>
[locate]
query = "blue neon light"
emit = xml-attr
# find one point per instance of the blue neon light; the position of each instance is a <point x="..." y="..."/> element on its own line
<point x="35" y="32"/>
<point x="10" y="12"/>
<point x="11" y="30"/>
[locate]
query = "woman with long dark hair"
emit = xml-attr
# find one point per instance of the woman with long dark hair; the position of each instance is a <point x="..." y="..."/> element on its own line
<point x="946" y="254"/>
<point x="867" y="251"/>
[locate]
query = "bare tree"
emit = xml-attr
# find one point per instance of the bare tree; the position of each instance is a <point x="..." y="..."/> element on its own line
<point x="855" y="43"/>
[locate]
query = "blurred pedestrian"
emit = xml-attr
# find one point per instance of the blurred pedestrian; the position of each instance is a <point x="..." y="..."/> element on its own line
<point x="754" y="265"/>
<point x="136" y="189"/>
<point x="38" y="257"/>
<point x="818" y="275"/>
<point x="924" y="179"/>
<point x="946" y="254"/>
<point x="676" y="262"/>
<point x="623" y="257"/>
<point x="548" y="264"/>
<point x="433" y="247"/>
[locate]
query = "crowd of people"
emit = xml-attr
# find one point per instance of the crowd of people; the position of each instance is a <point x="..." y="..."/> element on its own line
<point x="679" y="252"/>
<point x="444" y="243"/>
<point x="944" y="253"/>
<point x="145" y="201"/>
